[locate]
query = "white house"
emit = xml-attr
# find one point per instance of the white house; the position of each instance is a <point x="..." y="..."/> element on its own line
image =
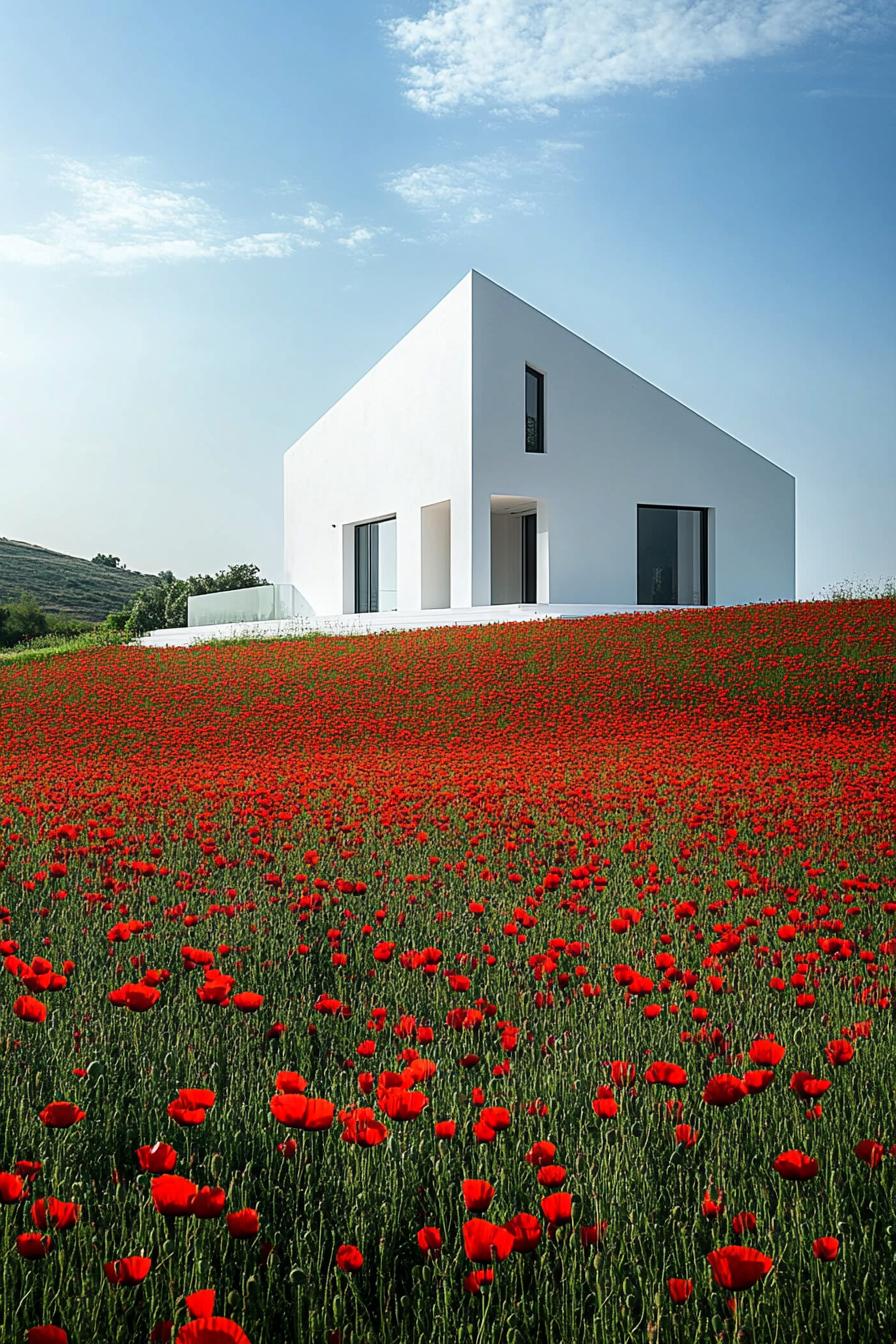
<point x="493" y="465"/>
<point x="494" y="457"/>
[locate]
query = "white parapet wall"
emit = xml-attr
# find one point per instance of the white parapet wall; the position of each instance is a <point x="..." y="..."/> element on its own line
<point x="374" y="623"/>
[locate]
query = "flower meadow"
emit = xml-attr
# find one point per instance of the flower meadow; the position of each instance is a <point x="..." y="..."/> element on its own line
<point x="517" y="983"/>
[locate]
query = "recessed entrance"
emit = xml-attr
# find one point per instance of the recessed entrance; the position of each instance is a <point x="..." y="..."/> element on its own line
<point x="514" y="549"/>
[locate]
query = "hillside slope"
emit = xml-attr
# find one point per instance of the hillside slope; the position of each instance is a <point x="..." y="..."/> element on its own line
<point x="66" y="585"/>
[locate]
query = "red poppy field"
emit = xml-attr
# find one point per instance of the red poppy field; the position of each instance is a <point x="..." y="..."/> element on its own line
<point x="522" y="983"/>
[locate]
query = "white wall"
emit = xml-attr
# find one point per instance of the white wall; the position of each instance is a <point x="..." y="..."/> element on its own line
<point x="435" y="555"/>
<point x="612" y="441"/>
<point x="506" y="581"/>
<point x="397" y="441"/>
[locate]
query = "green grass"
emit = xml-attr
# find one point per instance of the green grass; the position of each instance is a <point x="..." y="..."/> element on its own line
<point x="48" y="646"/>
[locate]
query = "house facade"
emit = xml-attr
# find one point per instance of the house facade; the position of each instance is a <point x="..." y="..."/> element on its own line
<point x="493" y="457"/>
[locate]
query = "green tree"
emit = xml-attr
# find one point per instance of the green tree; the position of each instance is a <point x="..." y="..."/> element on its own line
<point x="110" y="561"/>
<point x="164" y="605"/>
<point x="21" y="620"/>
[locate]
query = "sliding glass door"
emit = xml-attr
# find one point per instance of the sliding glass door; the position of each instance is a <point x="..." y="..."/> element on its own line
<point x="376" y="573"/>
<point x="672" y="559"/>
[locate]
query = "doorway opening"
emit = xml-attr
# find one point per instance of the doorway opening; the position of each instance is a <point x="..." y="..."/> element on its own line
<point x="516" y="544"/>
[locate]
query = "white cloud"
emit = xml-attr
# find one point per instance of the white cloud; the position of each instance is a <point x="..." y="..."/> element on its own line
<point x="472" y="191"/>
<point x="116" y="223"/>
<point x="358" y="237"/>
<point x="528" y="56"/>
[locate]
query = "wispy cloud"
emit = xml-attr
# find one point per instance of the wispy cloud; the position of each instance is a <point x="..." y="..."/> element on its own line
<point x="117" y="222"/>
<point x="474" y="190"/>
<point x="529" y="56"/>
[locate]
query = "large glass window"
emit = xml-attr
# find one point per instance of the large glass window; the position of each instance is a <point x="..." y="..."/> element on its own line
<point x="534" y="411"/>
<point x="376" y="581"/>
<point x="672" y="563"/>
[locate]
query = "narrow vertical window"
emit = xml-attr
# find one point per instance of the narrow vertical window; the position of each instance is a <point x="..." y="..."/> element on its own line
<point x="534" y="411"/>
<point x="530" y="557"/>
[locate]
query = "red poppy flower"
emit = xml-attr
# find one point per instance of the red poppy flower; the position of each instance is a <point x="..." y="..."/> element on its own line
<point x="738" y="1267"/>
<point x="826" y="1248"/>
<point x="125" y="1273"/>
<point x="197" y="1096"/>
<point x="172" y="1195"/>
<point x="591" y="1234"/>
<point x="711" y="1208"/>
<point x="622" y="1073"/>
<point x="767" y="1052"/>
<point x="185" y="1113"/>
<point x="445" y="1129"/>
<point x="496" y="1117"/>
<point x="551" y="1175"/>
<point x="839" y="1052"/>
<point x="401" y="1104"/>
<point x="29" y="1009"/>
<point x="724" y="1089"/>
<point x="795" y="1166"/>
<point x="157" y="1157"/>
<point x="212" y="1330"/>
<point x="484" y="1241"/>
<point x="32" y="1246"/>
<point x="429" y="1239"/>
<point x="686" y="1136"/>
<point x="349" y="1259"/>
<point x="757" y="1080"/>
<point x="201" y="1303"/>
<point x="289" y="1081"/>
<point x="139" y="998"/>
<point x="12" y="1187"/>
<point x="671" y="1075"/>
<point x="525" y="1230"/>
<point x="242" y="1223"/>
<point x="743" y="1222"/>
<point x="557" y="1208"/>
<point x="208" y="1202"/>
<point x="247" y="1001"/>
<point x="808" y="1088"/>
<point x="56" y="1213"/>
<point x="300" y="1112"/>
<point x="604" y="1104"/>
<point x="540" y="1153"/>
<point x="47" y="1334"/>
<point x="476" y="1278"/>
<point x="360" y="1125"/>
<point x="680" y="1289"/>
<point x="61" y="1114"/>
<point x="477" y="1195"/>
<point x="869" y="1151"/>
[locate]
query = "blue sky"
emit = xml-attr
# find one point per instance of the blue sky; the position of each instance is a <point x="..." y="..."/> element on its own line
<point x="215" y="216"/>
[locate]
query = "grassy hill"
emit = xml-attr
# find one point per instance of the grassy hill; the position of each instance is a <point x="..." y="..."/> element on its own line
<point x="66" y="585"/>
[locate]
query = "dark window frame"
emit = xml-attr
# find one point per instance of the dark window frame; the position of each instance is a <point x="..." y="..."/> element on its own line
<point x="366" y="538"/>
<point x="704" y="543"/>
<point x="539" y="409"/>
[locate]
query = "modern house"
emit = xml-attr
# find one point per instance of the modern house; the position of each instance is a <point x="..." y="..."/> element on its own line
<point x="493" y="465"/>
